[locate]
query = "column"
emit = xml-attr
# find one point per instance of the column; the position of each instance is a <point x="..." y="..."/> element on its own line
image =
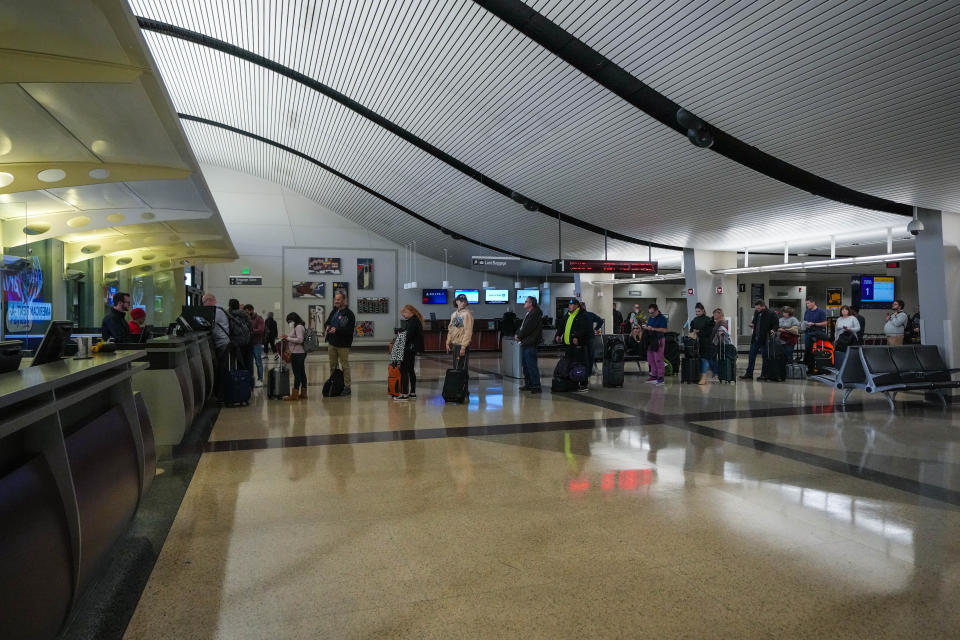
<point x="938" y="262"/>
<point x="711" y="290"/>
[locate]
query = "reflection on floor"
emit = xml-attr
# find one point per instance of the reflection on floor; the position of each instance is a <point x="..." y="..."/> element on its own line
<point x="750" y="511"/>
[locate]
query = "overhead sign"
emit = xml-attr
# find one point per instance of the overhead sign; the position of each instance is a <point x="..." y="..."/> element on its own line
<point x="492" y="261"/>
<point x="236" y="281"/>
<point x="604" y="266"/>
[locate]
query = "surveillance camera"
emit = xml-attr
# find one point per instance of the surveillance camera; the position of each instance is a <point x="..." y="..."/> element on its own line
<point x="915" y="227"/>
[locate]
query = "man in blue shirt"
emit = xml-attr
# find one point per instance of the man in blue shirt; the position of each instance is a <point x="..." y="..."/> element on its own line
<point x="815" y="328"/>
<point x="656" y="325"/>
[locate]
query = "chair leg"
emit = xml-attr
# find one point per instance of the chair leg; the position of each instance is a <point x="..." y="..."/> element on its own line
<point x="943" y="398"/>
<point x="890" y="396"/>
<point x="846" y="394"/>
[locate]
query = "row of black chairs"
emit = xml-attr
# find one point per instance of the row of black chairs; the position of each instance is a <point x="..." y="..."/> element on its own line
<point x="891" y="370"/>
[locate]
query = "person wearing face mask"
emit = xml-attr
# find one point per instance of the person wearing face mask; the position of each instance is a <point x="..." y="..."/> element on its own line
<point x="298" y="356"/>
<point x="460" y="333"/>
<point x="412" y="324"/>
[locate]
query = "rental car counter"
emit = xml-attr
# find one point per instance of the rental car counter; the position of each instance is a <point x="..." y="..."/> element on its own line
<point x="76" y="457"/>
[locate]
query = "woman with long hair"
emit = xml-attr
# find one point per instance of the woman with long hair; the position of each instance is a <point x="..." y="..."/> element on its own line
<point x="411" y="322"/>
<point x="721" y="348"/>
<point x="298" y="356"/>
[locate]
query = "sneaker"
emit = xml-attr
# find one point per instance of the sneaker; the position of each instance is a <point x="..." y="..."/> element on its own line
<point x="746" y="377"/>
<point x="401" y="397"/>
<point x="660" y="382"/>
<point x="651" y="381"/>
<point x="346" y="391"/>
<point x="413" y="395"/>
<point x="258" y="384"/>
<point x="583" y="389"/>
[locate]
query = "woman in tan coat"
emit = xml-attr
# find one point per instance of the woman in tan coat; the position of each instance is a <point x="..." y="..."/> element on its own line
<point x="460" y="333"/>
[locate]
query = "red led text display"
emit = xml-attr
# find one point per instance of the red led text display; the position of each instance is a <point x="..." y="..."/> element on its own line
<point x="604" y="266"/>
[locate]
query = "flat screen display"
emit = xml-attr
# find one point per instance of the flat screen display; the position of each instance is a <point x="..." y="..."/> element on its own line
<point x="877" y="289"/>
<point x="434" y="296"/>
<point x="523" y="293"/>
<point x="496" y="296"/>
<point x="473" y="295"/>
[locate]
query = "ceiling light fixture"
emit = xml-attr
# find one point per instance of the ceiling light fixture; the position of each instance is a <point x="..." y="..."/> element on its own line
<point x="819" y="264"/>
<point x="5" y="179"/>
<point x="99" y="174"/>
<point x="51" y="175"/>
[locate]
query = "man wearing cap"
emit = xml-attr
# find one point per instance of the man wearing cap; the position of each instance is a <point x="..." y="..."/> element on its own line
<point x="460" y="332"/>
<point x="138" y="318"/>
<point x="574" y="332"/>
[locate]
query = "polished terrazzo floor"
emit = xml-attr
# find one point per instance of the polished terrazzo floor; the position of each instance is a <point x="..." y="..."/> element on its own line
<point x="732" y="511"/>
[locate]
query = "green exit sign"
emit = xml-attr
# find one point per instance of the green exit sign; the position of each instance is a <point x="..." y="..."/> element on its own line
<point x="245" y="272"/>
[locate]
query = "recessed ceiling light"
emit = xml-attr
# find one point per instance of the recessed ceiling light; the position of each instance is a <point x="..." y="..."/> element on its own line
<point x="146" y="267"/>
<point x="148" y="256"/>
<point x="99" y="146"/>
<point x="79" y="221"/>
<point x="125" y="260"/>
<point x="99" y="174"/>
<point x="36" y="228"/>
<point x="5" y="178"/>
<point x="51" y="175"/>
<point x="147" y="215"/>
<point x="116" y="217"/>
<point x="90" y="248"/>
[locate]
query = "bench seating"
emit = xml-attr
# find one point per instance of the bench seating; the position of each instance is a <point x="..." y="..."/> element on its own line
<point x="891" y="370"/>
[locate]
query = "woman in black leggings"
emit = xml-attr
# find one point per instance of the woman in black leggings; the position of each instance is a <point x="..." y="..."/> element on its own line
<point x="412" y="323"/>
<point x="298" y="356"/>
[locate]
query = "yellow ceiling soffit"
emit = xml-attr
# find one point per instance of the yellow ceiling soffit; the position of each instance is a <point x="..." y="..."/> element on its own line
<point x="25" y="174"/>
<point x="32" y="66"/>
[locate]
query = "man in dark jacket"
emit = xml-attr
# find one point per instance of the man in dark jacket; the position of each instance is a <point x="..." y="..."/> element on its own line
<point x="115" y="324"/>
<point x="617" y="320"/>
<point x="855" y="311"/>
<point x="765" y="322"/>
<point x="574" y="331"/>
<point x="528" y="335"/>
<point x="339" y="329"/>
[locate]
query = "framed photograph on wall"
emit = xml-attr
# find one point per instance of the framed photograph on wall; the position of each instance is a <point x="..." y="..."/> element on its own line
<point x="316" y="317"/>
<point x="341" y="285"/>
<point x="309" y="289"/>
<point x="326" y="266"/>
<point x="364" y="273"/>
<point x="364" y="329"/>
<point x="373" y="305"/>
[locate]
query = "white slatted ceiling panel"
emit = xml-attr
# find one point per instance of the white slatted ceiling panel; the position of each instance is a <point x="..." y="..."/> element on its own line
<point x="863" y="93"/>
<point x="456" y="76"/>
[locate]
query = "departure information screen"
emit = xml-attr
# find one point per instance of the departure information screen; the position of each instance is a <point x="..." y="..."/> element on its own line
<point x="604" y="266"/>
<point x="877" y="288"/>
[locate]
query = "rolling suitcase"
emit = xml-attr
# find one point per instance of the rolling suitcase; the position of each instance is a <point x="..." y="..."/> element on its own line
<point x="775" y="362"/>
<point x="334" y="385"/>
<point x="393" y="379"/>
<point x="455" y="384"/>
<point x="278" y="382"/>
<point x="236" y="386"/>
<point x="613" y="355"/>
<point x="727" y="363"/>
<point x="690" y="369"/>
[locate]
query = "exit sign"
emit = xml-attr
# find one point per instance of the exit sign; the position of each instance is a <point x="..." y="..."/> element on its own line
<point x="245" y="272"/>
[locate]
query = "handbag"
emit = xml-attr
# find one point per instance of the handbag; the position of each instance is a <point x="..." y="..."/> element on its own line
<point x="399" y="347"/>
<point x="285" y="354"/>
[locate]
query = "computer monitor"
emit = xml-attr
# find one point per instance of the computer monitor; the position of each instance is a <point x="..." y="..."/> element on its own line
<point x="51" y="347"/>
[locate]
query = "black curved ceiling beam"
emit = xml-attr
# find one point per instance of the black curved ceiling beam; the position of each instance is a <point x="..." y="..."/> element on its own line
<point x="604" y="71"/>
<point x="233" y="50"/>
<point x="363" y="187"/>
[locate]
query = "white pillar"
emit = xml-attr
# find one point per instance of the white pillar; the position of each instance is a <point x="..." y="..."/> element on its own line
<point x="938" y="261"/>
<point x="697" y="266"/>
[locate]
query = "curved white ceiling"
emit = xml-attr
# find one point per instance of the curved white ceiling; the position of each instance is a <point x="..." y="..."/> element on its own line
<point x="857" y="92"/>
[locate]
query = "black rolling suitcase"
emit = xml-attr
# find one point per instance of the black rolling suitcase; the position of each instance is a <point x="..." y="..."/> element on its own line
<point x="776" y="362"/>
<point x="455" y="383"/>
<point x="614" y="352"/>
<point x="690" y="369"/>
<point x="671" y="351"/>
<point x="726" y="363"/>
<point x="237" y="384"/>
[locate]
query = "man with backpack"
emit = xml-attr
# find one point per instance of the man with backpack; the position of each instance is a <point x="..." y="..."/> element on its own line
<point x="221" y="343"/>
<point x="574" y="331"/>
<point x="241" y="336"/>
<point x="259" y="331"/>
<point x="339" y="329"/>
<point x="529" y="336"/>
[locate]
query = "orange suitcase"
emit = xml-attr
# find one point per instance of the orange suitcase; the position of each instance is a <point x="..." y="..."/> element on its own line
<point x="393" y="379"/>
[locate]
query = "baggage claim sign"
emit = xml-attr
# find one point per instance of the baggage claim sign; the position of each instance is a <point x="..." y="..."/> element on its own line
<point x="604" y="266"/>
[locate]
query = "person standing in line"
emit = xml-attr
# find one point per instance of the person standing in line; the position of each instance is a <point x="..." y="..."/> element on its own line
<point x="855" y="312"/>
<point x="720" y="343"/>
<point x="656" y="326"/>
<point x="258" y="325"/>
<point x="244" y="351"/>
<point x="271" y="333"/>
<point x="529" y="335"/>
<point x="138" y="320"/>
<point x="460" y="332"/>
<point x="701" y="326"/>
<point x="596" y="327"/>
<point x="298" y="356"/>
<point x="896" y="322"/>
<point x="617" y="319"/>
<point x="339" y="330"/>
<point x="764" y="323"/>
<point x="221" y="343"/>
<point x="412" y="323"/>
<point x="814" y="327"/>
<point x="114" y="326"/>
<point x="574" y="331"/>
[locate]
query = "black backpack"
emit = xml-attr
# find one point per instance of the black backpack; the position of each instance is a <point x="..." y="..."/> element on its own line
<point x="241" y="329"/>
<point x="334" y="385"/>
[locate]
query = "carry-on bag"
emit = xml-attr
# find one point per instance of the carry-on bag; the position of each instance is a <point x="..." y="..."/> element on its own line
<point x="726" y="363"/>
<point x="690" y="369"/>
<point x="671" y="352"/>
<point x="278" y="382"/>
<point x="614" y="352"/>
<point x="455" y="383"/>
<point x="393" y="379"/>
<point x="334" y="385"/>
<point x="236" y="385"/>
<point x="775" y="362"/>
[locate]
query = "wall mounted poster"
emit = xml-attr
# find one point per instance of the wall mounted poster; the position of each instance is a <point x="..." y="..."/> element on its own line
<point x="327" y="266"/>
<point x="309" y="289"/>
<point x="834" y="299"/>
<point x="364" y="273"/>
<point x="373" y="305"/>
<point x="364" y="329"/>
<point x="341" y="285"/>
<point x="316" y="317"/>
